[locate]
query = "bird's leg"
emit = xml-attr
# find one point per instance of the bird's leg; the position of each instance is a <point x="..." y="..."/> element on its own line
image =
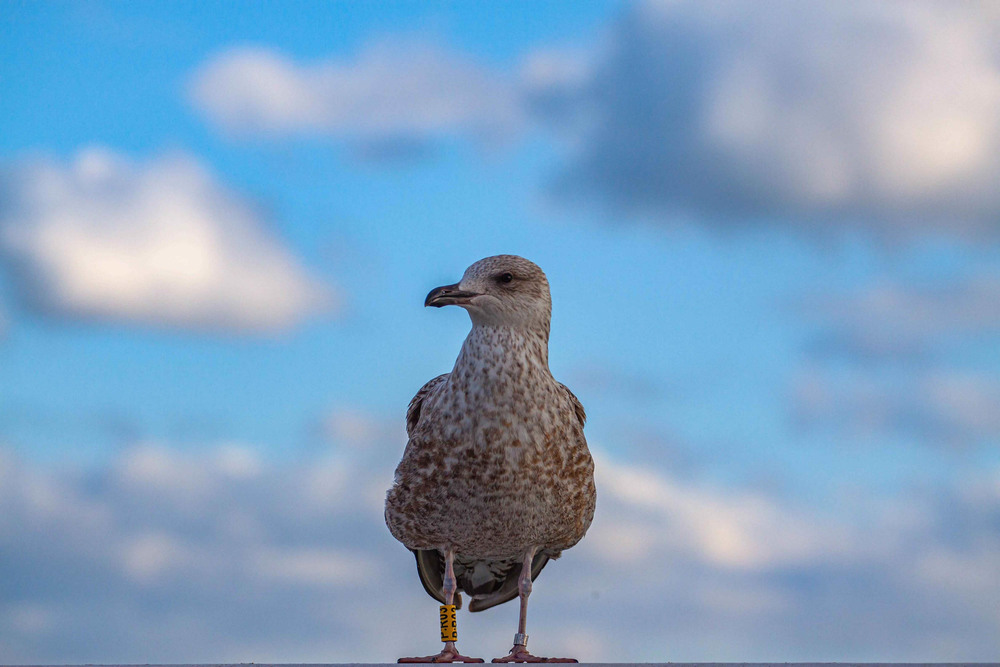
<point x="520" y="651"/>
<point x="449" y="653"/>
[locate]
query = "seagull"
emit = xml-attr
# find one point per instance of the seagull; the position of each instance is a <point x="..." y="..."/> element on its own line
<point x="496" y="477"/>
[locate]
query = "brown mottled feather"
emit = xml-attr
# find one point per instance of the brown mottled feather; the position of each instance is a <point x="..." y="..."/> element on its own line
<point x="413" y="411"/>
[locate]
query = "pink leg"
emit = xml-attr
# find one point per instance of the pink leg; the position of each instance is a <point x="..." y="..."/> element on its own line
<point x="449" y="653"/>
<point x="520" y="651"/>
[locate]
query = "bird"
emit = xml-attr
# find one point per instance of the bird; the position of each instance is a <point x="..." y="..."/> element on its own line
<point x="496" y="477"/>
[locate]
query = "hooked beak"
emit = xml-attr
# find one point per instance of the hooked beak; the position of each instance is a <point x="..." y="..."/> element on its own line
<point x="449" y="295"/>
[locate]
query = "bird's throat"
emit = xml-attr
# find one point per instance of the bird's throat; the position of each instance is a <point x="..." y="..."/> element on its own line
<point x="504" y="354"/>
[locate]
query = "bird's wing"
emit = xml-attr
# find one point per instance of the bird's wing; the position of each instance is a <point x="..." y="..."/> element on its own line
<point x="413" y="412"/>
<point x="430" y="563"/>
<point x="581" y="415"/>
<point x="430" y="567"/>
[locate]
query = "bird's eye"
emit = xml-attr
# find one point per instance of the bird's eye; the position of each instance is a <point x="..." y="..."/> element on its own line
<point x="505" y="277"/>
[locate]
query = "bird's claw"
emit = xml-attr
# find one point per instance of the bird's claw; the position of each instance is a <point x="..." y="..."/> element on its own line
<point x="447" y="655"/>
<point x="520" y="654"/>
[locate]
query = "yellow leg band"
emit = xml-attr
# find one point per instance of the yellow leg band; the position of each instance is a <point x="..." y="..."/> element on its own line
<point x="449" y="624"/>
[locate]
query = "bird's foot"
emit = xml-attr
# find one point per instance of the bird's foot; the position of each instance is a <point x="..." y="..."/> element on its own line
<point x="520" y="654"/>
<point x="448" y="654"/>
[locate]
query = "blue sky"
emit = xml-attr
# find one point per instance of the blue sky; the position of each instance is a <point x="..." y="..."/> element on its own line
<point x="771" y="234"/>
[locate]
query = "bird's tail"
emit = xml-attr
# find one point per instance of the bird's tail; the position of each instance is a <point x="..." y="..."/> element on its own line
<point x="488" y="582"/>
<point x="507" y="589"/>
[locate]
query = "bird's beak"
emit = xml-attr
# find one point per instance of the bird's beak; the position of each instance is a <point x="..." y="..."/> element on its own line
<point x="449" y="295"/>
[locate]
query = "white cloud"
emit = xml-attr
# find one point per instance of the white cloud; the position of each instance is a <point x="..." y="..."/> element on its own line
<point x="743" y="531"/>
<point x="360" y="429"/>
<point x="943" y="393"/>
<point x="891" y="320"/>
<point x="29" y="619"/>
<point x="941" y="407"/>
<point x="314" y="567"/>
<point x="159" y="243"/>
<point x="881" y="116"/>
<point x="107" y="565"/>
<point x="150" y="556"/>
<point x="387" y="93"/>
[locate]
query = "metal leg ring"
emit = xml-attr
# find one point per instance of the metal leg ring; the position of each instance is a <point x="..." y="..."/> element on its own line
<point x="520" y="639"/>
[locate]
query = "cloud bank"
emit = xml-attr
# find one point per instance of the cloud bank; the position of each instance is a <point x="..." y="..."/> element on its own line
<point x="823" y="117"/>
<point x="893" y="321"/>
<point x="218" y="555"/>
<point x="884" y="116"/>
<point x="942" y="407"/>
<point x="892" y="360"/>
<point x="159" y="243"/>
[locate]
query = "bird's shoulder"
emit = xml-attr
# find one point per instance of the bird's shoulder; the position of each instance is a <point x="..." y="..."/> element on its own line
<point x="413" y="411"/>
<point x="578" y="410"/>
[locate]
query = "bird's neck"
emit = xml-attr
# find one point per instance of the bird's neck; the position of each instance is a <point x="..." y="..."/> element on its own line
<point x="488" y="349"/>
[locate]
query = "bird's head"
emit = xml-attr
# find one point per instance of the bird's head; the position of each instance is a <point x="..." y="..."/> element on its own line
<point x="504" y="290"/>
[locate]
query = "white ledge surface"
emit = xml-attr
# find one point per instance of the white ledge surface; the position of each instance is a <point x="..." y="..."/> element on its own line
<point x="595" y="664"/>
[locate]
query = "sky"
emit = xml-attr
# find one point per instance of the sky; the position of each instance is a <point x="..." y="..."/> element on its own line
<point x="772" y="234"/>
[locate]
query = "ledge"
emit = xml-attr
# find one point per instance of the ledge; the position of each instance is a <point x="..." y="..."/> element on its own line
<point x="594" y="664"/>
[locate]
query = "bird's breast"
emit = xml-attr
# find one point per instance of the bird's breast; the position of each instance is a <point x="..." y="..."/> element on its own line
<point x="485" y="415"/>
<point x="498" y="461"/>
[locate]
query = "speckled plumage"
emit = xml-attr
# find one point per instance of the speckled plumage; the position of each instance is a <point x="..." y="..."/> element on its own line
<point x="496" y="463"/>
